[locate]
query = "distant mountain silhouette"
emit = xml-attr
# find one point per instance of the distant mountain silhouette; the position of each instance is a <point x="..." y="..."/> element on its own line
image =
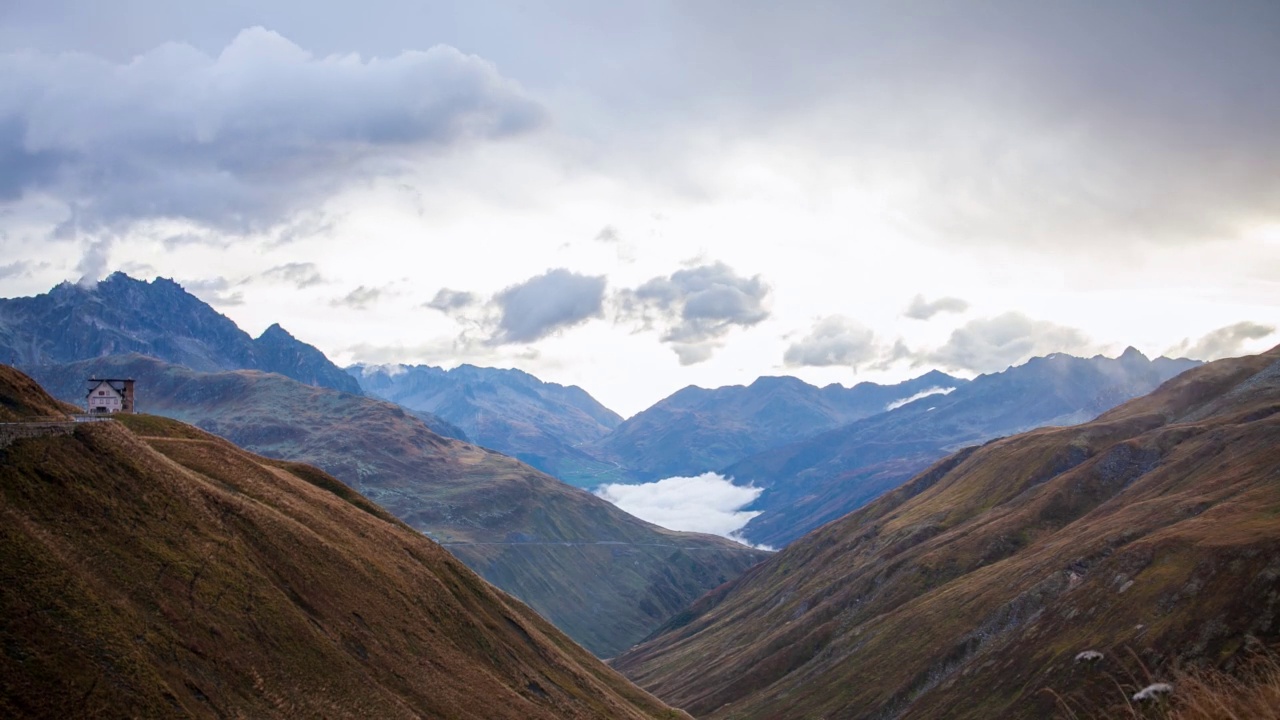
<point x="697" y="430"/>
<point x="821" y="478"/>
<point x="159" y="318"/>
<point x="543" y="424"/>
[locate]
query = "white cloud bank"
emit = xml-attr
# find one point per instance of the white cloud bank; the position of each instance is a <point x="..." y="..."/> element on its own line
<point x="708" y="503"/>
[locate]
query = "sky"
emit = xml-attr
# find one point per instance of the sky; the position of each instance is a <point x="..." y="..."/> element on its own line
<point x="638" y="196"/>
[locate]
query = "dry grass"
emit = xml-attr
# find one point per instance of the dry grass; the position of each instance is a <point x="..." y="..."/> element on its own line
<point x="178" y="576"/>
<point x="1252" y="692"/>
<point x="539" y="532"/>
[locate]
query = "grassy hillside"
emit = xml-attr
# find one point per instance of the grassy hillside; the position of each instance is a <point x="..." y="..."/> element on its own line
<point x="603" y="576"/>
<point x="154" y="570"/>
<point x="1150" y="535"/>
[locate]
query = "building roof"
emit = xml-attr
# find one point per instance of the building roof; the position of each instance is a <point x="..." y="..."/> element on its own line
<point x="114" y="383"/>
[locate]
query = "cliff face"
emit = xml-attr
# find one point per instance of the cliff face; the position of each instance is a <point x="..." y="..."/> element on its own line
<point x="153" y="570"/>
<point x="1150" y="535"/>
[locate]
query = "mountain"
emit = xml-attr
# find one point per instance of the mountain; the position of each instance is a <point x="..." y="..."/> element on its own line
<point x="604" y="577"/>
<point x="153" y="570"/>
<point x="279" y="352"/>
<point x="121" y="315"/>
<point x="823" y="477"/>
<point x="540" y="423"/>
<point x="696" y="430"/>
<point x="1150" y="536"/>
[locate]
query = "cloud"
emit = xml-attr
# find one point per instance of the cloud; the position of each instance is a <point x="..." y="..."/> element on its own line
<point x="834" y="340"/>
<point x="993" y="344"/>
<point x="608" y="234"/>
<point x="185" y="239"/>
<point x="694" y="308"/>
<point x="919" y="309"/>
<point x="708" y="503"/>
<point x="93" y="264"/>
<point x="362" y="298"/>
<point x="240" y="140"/>
<point x="18" y="268"/>
<point x="299" y="274"/>
<point x="215" y="291"/>
<point x="922" y="394"/>
<point x="540" y="306"/>
<point x="1221" y="343"/>
<point x="450" y="302"/>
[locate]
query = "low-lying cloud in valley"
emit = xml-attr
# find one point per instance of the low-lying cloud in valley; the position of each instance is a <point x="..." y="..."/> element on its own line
<point x="922" y="394"/>
<point x="707" y="503"/>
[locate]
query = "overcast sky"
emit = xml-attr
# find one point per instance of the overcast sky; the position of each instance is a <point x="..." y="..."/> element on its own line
<point x="638" y="196"/>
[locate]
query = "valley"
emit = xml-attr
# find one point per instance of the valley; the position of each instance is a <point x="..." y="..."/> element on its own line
<point x="709" y="360"/>
<point x="894" y="506"/>
<point x="1148" y="536"/>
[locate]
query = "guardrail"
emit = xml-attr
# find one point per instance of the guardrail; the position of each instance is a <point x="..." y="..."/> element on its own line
<point x="44" y="426"/>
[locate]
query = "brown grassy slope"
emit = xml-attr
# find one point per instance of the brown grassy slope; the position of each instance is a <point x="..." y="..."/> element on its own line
<point x="177" y="575"/>
<point x="967" y="592"/>
<point x="21" y="398"/>
<point x="605" y="577"/>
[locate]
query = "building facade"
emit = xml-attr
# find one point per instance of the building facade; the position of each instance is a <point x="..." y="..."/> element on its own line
<point x="109" y="395"/>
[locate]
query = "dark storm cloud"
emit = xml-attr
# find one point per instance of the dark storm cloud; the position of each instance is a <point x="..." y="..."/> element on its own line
<point x="239" y="140"/>
<point x="834" y="340"/>
<point x="921" y="309"/>
<point x="1221" y="343"/>
<point x="992" y="344"/>
<point x="538" y="307"/>
<point x="696" y="307"/>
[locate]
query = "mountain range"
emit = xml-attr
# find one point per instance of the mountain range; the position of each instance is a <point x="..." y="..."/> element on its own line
<point x="604" y="577"/>
<point x="122" y="315"/>
<point x="696" y="429"/>
<point x="1060" y="568"/>
<point x="154" y="570"/>
<point x="823" y="477"/>
<point x="540" y="423"/>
